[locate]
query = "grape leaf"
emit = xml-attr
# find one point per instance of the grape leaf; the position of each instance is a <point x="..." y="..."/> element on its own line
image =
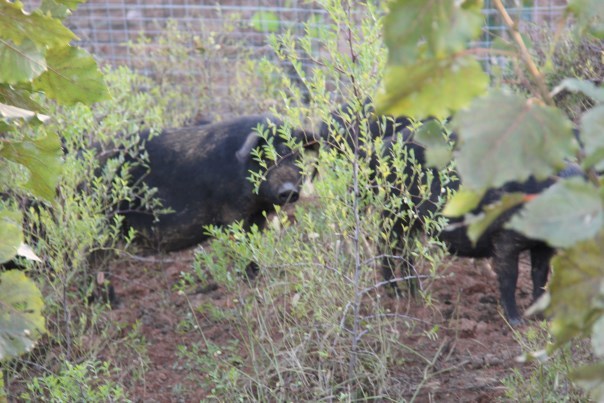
<point x="444" y="26"/>
<point x="21" y="320"/>
<point x="417" y="90"/>
<point x="72" y="76"/>
<point x="44" y="31"/>
<point x="20" y="63"/>
<point x="532" y="139"/>
<point x="42" y="157"/>
<point x="567" y="212"/>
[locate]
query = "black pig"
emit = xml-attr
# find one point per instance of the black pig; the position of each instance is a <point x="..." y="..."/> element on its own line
<point x="201" y="173"/>
<point x="502" y="245"/>
<point x="346" y="123"/>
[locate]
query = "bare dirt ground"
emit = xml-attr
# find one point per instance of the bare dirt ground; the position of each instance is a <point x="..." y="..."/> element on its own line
<point x="474" y="351"/>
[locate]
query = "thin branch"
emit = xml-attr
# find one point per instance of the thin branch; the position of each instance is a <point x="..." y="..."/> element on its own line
<point x="524" y="53"/>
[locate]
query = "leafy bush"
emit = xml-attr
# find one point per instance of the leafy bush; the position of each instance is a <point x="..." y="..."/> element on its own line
<point x="81" y="232"/>
<point x="520" y="138"/>
<point x="314" y="324"/>
<point x="36" y="57"/>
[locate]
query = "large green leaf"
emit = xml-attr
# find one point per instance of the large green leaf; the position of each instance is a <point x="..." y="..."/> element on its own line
<point x="21" y="320"/>
<point x="478" y="225"/>
<point x="265" y="21"/>
<point x="20" y="62"/>
<point x="576" y="289"/>
<point x="586" y="87"/>
<point x="419" y="90"/>
<point x="43" y="158"/>
<point x="564" y="214"/>
<point x="590" y="14"/>
<point x="592" y="128"/>
<point x="73" y="76"/>
<point x="19" y="98"/>
<point x="44" y="31"/>
<point x="504" y="137"/>
<point x="432" y="28"/>
<point x="11" y="235"/>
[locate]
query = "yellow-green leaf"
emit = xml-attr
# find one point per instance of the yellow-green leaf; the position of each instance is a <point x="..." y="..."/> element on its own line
<point x="73" y="76"/>
<point x="462" y="202"/>
<point x="18" y="25"/>
<point x="417" y="90"/>
<point x="20" y="63"/>
<point x="444" y="26"/>
<point x="479" y="225"/>
<point x="43" y="158"/>
<point x="265" y="21"/>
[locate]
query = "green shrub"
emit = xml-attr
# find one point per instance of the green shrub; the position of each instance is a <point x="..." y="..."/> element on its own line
<point x="85" y="382"/>
<point x="79" y="234"/>
<point x="314" y="324"/>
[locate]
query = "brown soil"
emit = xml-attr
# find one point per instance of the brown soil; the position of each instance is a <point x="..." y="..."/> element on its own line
<point x="473" y="352"/>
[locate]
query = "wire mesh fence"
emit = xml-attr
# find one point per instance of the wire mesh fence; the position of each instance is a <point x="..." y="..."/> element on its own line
<point x="219" y="36"/>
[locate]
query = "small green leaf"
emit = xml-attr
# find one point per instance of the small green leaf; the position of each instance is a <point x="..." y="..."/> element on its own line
<point x="21" y="320"/>
<point x="43" y="30"/>
<point x="72" y="76"/>
<point x="43" y="158"/>
<point x="445" y="26"/>
<point x="265" y="21"/>
<point x="510" y="139"/>
<point x="19" y="63"/>
<point x="417" y="90"/>
<point x="462" y="202"/>
<point x="479" y="225"/>
<point x="564" y="214"/>
<point x="586" y="87"/>
<point x="11" y="234"/>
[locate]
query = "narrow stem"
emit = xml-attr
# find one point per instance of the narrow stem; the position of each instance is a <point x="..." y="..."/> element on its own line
<point x="524" y="53"/>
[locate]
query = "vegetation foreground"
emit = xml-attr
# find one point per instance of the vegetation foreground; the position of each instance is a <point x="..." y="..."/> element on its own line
<point x="89" y="315"/>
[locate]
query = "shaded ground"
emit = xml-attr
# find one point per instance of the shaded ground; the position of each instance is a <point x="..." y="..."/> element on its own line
<point x="474" y="351"/>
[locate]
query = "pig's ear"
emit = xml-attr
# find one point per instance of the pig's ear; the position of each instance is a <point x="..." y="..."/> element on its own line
<point x="245" y="150"/>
